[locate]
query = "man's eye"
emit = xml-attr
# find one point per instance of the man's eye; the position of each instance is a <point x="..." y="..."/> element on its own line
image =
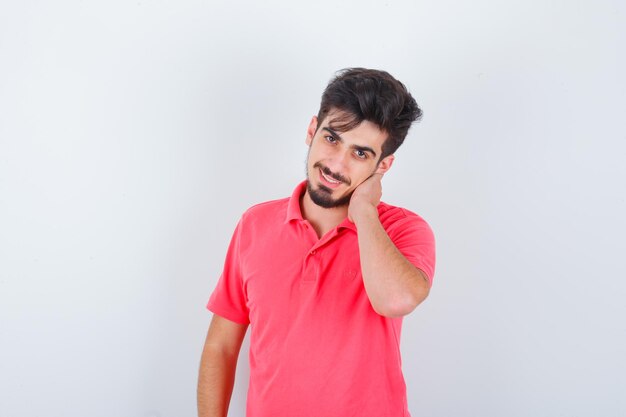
<point x="330" y="139"/>
<point x="360" y="154"/>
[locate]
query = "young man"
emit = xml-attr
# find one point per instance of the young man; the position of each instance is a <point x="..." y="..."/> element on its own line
<point x="324" y="277"/>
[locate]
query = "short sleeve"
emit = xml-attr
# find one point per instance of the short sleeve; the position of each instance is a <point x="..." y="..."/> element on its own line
<point x="228" y="298"/>
<point x="415" y="240"/>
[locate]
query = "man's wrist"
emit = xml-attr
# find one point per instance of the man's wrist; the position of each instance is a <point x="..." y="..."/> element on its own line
<point x="366" y="213"/>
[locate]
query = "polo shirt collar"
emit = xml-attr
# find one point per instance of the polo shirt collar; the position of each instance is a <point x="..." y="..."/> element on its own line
<point x="293" y="207"/>
<point x="295" y="213"/>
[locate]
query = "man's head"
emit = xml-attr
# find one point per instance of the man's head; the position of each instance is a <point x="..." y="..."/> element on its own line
<point x="372" y="95"/>
<point x="363" y="118"/>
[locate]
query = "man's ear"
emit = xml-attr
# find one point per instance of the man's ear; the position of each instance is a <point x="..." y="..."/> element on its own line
<point x="384" y="164"/>
<point x="310" y="131"/>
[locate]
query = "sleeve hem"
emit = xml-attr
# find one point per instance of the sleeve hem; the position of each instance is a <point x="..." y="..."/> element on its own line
<point x="229" y="315"/>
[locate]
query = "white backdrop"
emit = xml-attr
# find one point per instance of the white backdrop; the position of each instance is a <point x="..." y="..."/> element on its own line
<point x="133" y="134"/>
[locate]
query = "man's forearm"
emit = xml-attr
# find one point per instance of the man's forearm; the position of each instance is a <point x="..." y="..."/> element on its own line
<point x="215" y="382"/>
<point x="393" y="284"/>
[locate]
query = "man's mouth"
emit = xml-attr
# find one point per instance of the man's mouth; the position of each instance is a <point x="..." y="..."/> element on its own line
<point x="330" y="182"/>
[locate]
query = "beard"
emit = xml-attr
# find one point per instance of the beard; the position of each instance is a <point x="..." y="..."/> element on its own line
<point x="322" y="196"/>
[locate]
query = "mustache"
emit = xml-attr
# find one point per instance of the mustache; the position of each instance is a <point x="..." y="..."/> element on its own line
<point x="329" y="173"/>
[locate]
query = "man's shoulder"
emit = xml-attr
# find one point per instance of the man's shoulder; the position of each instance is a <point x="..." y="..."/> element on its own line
<point x="267" y="210"/>
<point x="391" y="216"/>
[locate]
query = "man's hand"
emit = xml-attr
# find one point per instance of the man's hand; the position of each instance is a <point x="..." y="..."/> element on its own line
<point x="394" y="285"/>
<point x="365" y="198"/>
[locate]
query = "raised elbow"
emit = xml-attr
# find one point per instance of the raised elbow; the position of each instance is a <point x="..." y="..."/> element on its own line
<point x="401" y="306"/>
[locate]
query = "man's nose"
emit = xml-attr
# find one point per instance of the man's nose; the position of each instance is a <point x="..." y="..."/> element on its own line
<point x="338" y="162"/>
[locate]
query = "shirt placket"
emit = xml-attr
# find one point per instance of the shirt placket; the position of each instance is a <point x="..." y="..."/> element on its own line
<point x="312" y="263"/>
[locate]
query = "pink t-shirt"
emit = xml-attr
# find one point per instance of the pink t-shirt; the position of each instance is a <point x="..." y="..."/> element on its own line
<point x="317" y="347"/>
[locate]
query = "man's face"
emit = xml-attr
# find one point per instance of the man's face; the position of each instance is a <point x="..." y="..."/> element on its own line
<point x="338" y="162"/>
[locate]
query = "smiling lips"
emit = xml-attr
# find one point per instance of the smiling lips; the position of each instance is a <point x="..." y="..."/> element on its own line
<point x="328" y="181"/>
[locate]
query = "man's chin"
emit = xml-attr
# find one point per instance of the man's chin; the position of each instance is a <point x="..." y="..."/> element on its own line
<point x="322" y="196"/>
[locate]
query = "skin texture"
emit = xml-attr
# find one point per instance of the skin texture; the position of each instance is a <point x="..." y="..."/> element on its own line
<point x="217" y="366"/>
<point x="393" y="285"/>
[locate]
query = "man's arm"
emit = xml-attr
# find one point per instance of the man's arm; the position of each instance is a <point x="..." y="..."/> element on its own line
<point x="393" y="284"/>
<point x="217" y="366"/>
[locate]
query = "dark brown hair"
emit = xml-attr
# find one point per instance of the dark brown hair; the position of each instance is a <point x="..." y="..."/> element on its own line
<point x="367" y="94"/>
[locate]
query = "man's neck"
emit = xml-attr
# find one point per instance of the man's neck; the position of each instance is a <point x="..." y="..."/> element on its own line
<point x="322" y="219"/>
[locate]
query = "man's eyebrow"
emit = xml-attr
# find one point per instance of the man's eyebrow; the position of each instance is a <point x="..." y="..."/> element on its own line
<point x="332" y="132"/>
<point x="357" y="147"/>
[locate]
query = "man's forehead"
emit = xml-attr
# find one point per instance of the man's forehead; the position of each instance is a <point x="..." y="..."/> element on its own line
<point x="340" y="121"/>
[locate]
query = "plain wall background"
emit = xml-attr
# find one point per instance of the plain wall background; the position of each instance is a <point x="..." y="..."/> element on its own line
<point x="133" y="134"/>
